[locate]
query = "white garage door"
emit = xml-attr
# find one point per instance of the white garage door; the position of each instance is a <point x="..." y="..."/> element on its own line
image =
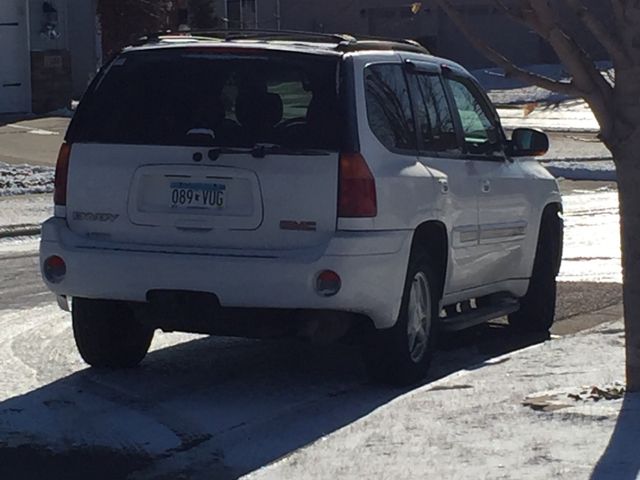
<point x="14" y="57"/>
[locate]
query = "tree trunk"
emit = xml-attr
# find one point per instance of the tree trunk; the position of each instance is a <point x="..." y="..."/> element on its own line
<point x="628" y="171"/>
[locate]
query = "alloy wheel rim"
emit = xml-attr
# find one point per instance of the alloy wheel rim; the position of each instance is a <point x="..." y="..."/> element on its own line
<point x="419" y="317"/>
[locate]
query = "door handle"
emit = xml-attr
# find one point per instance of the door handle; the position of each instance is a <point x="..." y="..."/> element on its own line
<point x="486" y="186"/>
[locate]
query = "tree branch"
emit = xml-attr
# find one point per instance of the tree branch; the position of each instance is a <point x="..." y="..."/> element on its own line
<point x="596" y="90"/>
<point x="609" y="42"/>
<point x="509" y="67"/>
<point x="618" y="12"/>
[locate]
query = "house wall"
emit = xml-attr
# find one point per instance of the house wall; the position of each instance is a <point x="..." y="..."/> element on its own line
<point x="62" y="64"/>
<point x="15" y="68"/>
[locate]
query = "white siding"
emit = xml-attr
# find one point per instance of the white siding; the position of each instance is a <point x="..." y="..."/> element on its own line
<point x="15" y="83"/>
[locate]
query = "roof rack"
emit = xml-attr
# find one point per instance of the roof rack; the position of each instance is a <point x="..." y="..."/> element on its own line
<point x="383" y="44"/>
<point x="343" y="42"/>
<point x="231" y="35"/>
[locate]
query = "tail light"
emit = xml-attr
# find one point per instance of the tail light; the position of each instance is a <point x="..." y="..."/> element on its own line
<point x="357" y="188"/>
<point x="62" y="171"/>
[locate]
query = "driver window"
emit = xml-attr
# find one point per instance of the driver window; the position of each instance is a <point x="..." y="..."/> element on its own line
<point x="481" y="134"/>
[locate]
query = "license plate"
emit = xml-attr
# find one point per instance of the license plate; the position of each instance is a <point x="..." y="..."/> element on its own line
<point x="198" y="195"/>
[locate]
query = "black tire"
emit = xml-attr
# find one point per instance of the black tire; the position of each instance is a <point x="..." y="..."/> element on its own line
<point x="538" y="306"/>
<point x="388" y="354"/>
<point x="108" y="334"/>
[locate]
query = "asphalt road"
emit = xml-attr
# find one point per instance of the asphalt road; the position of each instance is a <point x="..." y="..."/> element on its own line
<point x="33" y="141"/>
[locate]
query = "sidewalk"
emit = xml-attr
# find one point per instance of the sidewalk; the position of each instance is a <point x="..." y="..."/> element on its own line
<point x="511" y="417"/>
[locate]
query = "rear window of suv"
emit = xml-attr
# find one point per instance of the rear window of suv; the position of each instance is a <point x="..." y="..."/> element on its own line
<point x="209" y="98"/>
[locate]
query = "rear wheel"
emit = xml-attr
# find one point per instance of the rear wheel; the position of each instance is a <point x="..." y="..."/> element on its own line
<point x="108" y="334"/>
<point x="402" y="354"/>
<point x="538" y="306"/>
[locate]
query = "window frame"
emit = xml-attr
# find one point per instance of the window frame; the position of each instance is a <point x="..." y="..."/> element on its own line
<point x="418" y="69"/>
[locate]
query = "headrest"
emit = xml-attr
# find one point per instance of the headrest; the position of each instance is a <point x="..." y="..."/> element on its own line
<point x="258" y="109"/>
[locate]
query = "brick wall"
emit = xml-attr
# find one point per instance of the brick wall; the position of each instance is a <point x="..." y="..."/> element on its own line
<point x="50" y="80"/>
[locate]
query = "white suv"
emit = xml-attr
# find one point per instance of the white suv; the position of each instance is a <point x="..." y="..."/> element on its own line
<point x="262" y="184"/>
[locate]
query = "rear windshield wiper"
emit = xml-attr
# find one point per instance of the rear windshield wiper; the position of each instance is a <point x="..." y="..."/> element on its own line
<point x="261" y="150"/>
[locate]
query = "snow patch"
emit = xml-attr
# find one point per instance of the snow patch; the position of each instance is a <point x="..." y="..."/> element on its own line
<point x="583" y="170"/>
<point x="23" y="179"/>
<point x="505" y="90"/>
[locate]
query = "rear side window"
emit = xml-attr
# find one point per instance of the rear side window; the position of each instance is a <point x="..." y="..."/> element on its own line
<point x="435" y="122"/>
<point x="195" y="97"/>
<point x="389" y="107"/>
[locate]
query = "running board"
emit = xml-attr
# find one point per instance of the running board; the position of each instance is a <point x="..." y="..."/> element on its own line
<point x="477" y="316"/>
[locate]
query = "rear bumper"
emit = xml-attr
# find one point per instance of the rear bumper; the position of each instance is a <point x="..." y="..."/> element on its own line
<point x="372" y="266"/>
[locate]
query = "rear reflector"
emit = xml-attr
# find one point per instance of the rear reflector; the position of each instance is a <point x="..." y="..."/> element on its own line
<point x="328" y="283"/>
<point x="62" y="171"/>
<point x="357" y="192"/>
<point x="54" y="269"/>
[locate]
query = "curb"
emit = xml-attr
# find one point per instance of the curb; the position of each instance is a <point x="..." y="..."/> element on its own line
<point x="24" y="230"/>
<point x="576" y="159"/>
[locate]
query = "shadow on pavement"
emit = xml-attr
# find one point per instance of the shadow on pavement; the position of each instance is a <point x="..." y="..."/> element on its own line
<point x="216" y="405"/>
<point x="621" y="460"/>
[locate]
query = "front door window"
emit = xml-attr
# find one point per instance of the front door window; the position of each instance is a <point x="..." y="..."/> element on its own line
<point x="481" y="133"/>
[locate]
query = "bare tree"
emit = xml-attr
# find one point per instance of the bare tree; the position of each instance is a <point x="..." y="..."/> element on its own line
<point x="616" y="106"/>
<point x="123" y="20"/>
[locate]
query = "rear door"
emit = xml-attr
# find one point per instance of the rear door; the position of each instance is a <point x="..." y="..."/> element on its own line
<point x="194" y="147"/>
<point x="441" y="152"/>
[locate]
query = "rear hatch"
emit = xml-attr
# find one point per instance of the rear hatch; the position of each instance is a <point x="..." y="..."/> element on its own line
<point x="208" y="147"/>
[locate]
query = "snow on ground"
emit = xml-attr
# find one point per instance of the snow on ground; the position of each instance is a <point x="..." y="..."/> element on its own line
<point x="25" y="209"/>
<point x="505" y="90"/>
<point x="522" y="105"/>
<point x="475" y="423"/>
<point x="592" y="237"/>
<point x="583" y="170"/>
<point x="567" y="116"/>
<point x="21" y="179"/>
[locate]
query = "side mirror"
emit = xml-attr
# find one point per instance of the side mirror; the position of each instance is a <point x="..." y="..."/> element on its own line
<point x="528" y="142"/>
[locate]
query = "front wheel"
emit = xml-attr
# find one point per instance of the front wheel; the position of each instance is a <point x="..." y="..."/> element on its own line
<point x="401" y="355"/>
<point x="538" y="306"/>
<point x="108" y="334"/>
